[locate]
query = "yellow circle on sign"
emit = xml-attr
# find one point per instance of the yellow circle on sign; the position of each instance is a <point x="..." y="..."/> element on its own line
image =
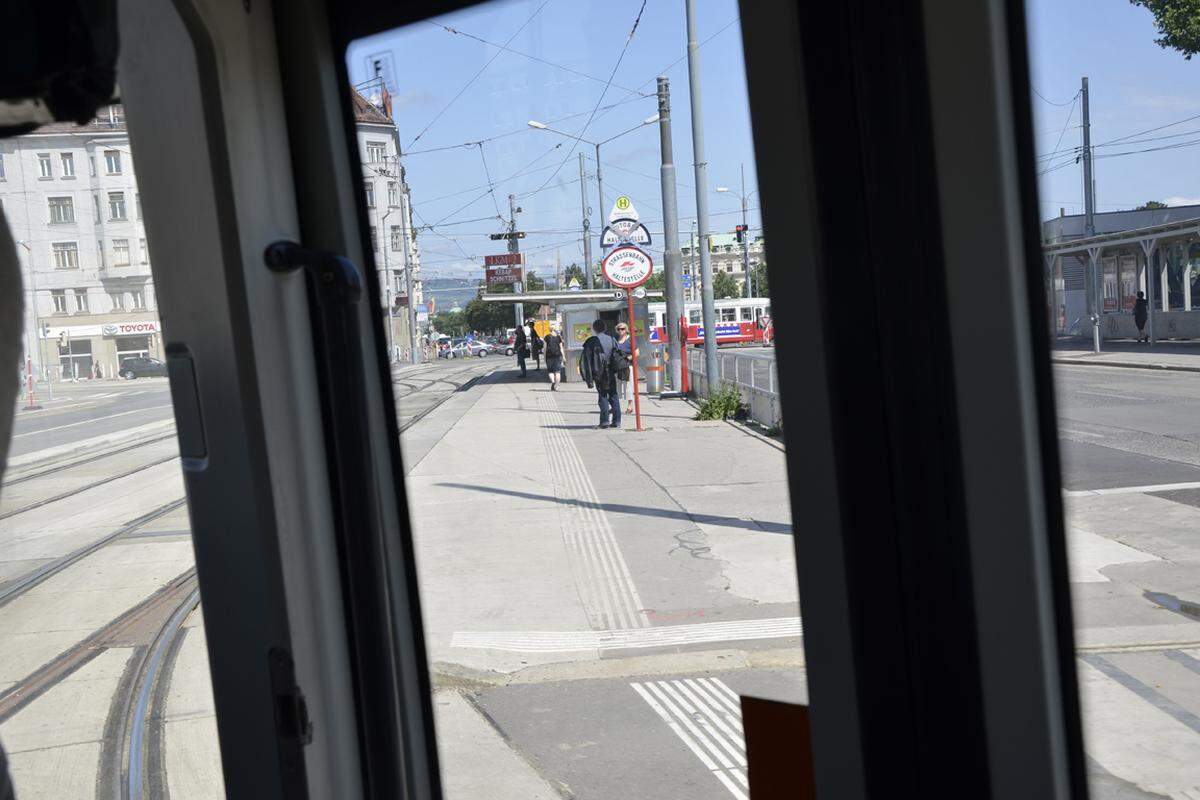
<point x="623" y="202"/>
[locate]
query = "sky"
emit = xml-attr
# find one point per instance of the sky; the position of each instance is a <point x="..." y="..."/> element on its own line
<point x="451" y="89"/>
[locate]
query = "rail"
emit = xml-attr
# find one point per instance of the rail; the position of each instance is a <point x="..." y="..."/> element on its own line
<point x="752" y="373"/>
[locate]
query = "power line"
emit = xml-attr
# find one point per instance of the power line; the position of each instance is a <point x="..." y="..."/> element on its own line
<point x="1051" y="102"/>
<point x="1063" y="132"/>
<point x="607" y="84"/>
<point x="475" y="77"/>
<point x="548" y="63"/>
<point x="488" y="175"/>
<point x="1150" y="130"/>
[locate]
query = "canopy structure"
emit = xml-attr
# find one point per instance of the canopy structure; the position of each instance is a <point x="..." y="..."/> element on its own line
<point x="563" y="297"/>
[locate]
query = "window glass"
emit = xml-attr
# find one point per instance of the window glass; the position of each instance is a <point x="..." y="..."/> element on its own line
<point x="2" y="177"/>
<point x="103" y="660"/>
<point x="1127" y="434"/>
<point x="668" y="552"/>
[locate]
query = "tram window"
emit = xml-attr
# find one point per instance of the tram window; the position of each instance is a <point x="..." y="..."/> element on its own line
<point x="576" y="562"/>
<point x="745" y="314"/>
<point x="1130" y="498"/>
<point x="96" y="562"/>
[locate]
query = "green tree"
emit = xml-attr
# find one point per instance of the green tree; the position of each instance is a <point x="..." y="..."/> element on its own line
<point x="487" y="317"/>
<point x="1150" y="205"/>
<point x="1179" y="23"/>
<point x="533" y="283"/>
<point x="724" y="286"/>
<point x="451" y="323"/>
<point x="657" y="281"/>
<point x="574" y="271"/>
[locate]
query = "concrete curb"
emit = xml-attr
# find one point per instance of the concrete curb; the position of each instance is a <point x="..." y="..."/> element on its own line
<point x="1083" y="362"/>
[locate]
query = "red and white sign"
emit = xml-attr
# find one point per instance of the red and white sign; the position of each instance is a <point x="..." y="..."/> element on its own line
<point x="502" y="275"/>
<point x="627" y="267"/>
<point x="504" y="260"/>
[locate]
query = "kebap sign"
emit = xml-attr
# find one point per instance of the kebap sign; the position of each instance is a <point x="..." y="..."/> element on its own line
<point x="627" y="267"/>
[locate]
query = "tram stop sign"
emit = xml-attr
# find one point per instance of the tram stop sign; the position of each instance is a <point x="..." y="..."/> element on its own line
<point x="627" y="267"/>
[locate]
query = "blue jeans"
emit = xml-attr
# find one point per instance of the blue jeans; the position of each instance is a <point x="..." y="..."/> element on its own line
<point x="610" y="402"/>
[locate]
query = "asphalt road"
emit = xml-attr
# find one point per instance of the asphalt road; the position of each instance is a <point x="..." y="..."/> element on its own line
<point x="88" y="409"/>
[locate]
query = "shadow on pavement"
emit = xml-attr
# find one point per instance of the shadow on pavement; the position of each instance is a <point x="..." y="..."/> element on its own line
<point x="622" y="508"/>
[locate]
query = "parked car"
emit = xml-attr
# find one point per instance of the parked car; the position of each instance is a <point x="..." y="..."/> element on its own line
<point x="462" y="349"/>
<point x="141" y="367"/>
<point x="502" y="344"/>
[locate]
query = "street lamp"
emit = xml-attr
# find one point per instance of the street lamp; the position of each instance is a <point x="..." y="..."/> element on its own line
<point x="745" y="233"/>
<point x="541" y="126"/>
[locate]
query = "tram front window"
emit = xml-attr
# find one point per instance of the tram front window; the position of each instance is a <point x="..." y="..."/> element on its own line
<point x="567" y="569"/>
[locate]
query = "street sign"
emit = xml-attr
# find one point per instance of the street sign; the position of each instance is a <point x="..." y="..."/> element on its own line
<point x="624" y="231"/>
<point x="504" y="260"/>
<point x="687" y="281"/>
<point x="511" y="235"/>
<point x="623" y="209"/>
<point x="627" y="267"/>
<point x="503" y="275"/>
<point x="639" y="292"/>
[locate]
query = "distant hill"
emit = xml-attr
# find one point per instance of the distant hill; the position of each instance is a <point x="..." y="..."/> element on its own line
<point x="450" y="283"/>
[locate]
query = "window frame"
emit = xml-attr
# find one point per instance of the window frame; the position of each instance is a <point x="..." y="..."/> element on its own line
<point x="68" y="249"/>
<point x="111" y="157"/>
<point x="116" y="202"/>
<point x="82" y="305"/>
<point x="58" y="298"/>
<point x="45" y="166"/>
<point x="66" y="204"/>
<point x="67" y="163"/>
<point x="119" y="246"/>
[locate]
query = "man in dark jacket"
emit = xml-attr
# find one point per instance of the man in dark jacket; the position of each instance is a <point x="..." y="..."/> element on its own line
<point x="1141" y="312"/>
<point x="521" y="346"/>
<point x="597" y="356"/>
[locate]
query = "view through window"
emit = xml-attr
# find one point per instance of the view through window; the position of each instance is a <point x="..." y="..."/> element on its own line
<point x="596" y="597"/>
<point x="1117" y="112"/>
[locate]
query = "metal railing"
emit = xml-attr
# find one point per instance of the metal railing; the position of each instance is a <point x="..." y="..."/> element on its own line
<point x="752" y="373"/>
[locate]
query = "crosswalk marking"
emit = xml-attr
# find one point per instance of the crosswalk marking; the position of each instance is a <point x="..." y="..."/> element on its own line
<point x="704" y="714"/>
<point x="635" y="639"/>
<point x="602" y="577"/>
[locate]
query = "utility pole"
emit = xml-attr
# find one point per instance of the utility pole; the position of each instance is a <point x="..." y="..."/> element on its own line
<point x="708" y="315"/>
<point x="671" y="255"/>
<point x="409" y="284"/>
<point x="746" y="239"/>
<point x="1089" y="218"/>
<point x="514" y="246"/>
<point x="387" y="286"/>
<point x="587" y="223"/>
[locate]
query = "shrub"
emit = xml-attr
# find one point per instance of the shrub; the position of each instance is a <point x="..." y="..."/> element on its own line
<point x="722" y="404"/>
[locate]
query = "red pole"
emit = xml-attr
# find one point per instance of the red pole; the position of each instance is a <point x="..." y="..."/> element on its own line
<point x="637" y="402"/>
<point x="32" y="404"/>
<point x="683" y="343"/>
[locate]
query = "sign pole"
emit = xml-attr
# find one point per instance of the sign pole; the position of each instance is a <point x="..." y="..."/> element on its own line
<point x="633" y="348"/>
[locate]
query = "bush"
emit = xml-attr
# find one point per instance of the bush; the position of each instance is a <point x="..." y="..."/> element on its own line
<point x="722" y="404"/>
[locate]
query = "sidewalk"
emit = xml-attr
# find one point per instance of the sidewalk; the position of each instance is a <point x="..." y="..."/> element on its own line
<point x="1181" y="356"/>
<point x="551" y="551"/>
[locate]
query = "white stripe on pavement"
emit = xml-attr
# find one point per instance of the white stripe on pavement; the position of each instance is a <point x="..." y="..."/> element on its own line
<point x="622" y="639"/>
<point x="709" y="729"/>
<point x="91" y="421"/>
<point x="609" y="596"/>
<point x="1160" y="487"/>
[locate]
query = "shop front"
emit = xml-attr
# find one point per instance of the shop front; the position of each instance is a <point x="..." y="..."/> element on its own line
<point x="97" y="350"/>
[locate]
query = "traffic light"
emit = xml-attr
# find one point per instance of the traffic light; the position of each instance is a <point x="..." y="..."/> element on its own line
<point x="741" y="233"/>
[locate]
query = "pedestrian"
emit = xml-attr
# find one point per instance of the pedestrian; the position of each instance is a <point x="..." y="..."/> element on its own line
<point x="1141" y="311"/>
<point x="625" y="345"/>
<point x="596" y="366"/>
<point x="521" y="346"/>
<point x="535" y="345"/>
<point x="96" y="374"/>
<point x="554" y="356"/>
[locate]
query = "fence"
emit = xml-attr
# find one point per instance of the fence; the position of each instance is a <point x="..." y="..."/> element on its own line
<point x="752" y="373"/>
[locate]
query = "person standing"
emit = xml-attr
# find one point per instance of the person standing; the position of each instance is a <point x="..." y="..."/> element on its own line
<point x="625" y="345"/>
<point x="521" y="346"/>
<point x="1141" y="311"/>
<point x="598" y="374"/>
<point x="554" y="356"/>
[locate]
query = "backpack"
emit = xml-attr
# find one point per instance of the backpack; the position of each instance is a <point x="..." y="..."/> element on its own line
<point x="619" y="363"/>
<point x="553" y="346"/>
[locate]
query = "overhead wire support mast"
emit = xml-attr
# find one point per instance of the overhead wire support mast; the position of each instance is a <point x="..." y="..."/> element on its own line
<point x="708" y="314"/>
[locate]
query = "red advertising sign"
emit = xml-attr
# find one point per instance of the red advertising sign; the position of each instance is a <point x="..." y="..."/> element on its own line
<point x="504" y="260"/>
<point x="500" y="275"/>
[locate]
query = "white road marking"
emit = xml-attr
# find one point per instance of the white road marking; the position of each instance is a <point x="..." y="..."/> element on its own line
<point x="609" y="595"/>
<point x="92" y="420"/>
<point x="698" y="712"/>
<point x="1159" y="487"/>
<point x="626" y="639"/>
<point x="1073" y="432"/>
<point x="1117" y="395"/>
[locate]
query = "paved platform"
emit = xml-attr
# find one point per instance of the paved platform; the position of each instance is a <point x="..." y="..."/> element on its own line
<point x="1170" y="355"/>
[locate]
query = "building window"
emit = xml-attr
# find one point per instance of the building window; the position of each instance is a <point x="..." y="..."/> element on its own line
<point x="138" y="296"/>
<point x="96" y="207"/>
<point x="118" y="300"/>
<point x="66" y="255"/>
<point x="370" y="188"/>
<point x="62" y="209"/>
<point x="374" y="239"/>
<point x="1" y="166"/>
<point x="68" y="165"/>
<point x="45" y="165"/>
<point x="59" y="296"/>
<point x="116" y="205"/>
<point x="81" y="301"/>
<point x="120" y="252"/>
<point x="145" y="252"/>
<point x="112" y="161"/>
<point x="395" y="238"/>
<point x="376" y="151"/>
<point x="393" y="194"/>
<point x="138" y="198"/>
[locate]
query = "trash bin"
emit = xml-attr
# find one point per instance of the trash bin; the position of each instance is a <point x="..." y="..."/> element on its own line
<point x="654" y="374"/>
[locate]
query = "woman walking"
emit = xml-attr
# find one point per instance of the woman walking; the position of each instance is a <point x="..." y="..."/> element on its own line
<point x="553" y="345"/>
<point x="625" y="343"/>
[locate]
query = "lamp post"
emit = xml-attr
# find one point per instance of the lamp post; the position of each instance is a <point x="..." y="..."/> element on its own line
<point x="541" y="126"/>
<point x="745" y="234"/>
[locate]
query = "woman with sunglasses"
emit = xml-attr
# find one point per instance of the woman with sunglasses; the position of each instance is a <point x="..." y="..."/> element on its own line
<point x="625" y="343"/>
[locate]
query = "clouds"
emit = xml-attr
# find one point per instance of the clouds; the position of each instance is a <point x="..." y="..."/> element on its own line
<point x="1182" y="201"/>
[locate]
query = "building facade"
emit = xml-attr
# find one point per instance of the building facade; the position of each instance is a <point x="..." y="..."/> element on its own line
<point x="725" y="255"/>
<point x="69" y="193"/>
<point x="389" y="211"/>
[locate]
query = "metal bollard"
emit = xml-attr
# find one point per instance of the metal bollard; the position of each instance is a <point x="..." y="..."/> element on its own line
<point x="654" y="374"/>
